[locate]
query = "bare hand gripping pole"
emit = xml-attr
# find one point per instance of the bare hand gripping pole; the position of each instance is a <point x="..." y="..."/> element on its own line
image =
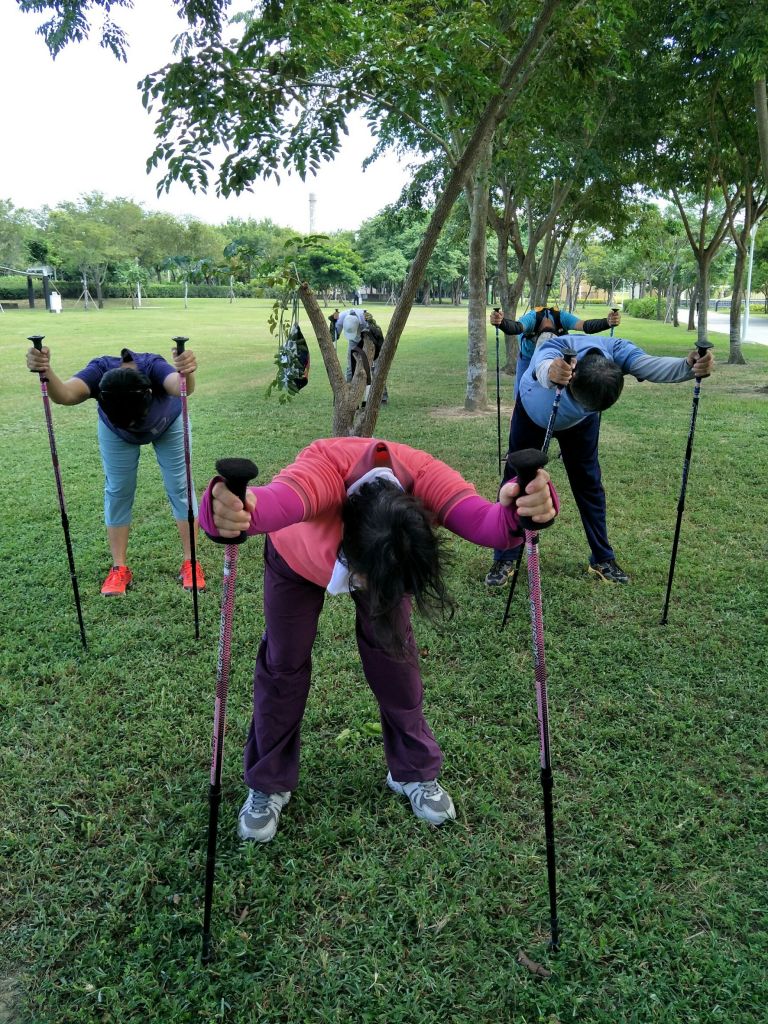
<point x="180" y="342"/>
<point x="702" y="349"/>
<point x="236" y="473"/>
<point x="614" y="309"/>
<point x="526" y="463"/>
<point x="37" y="341"/>
<point x="568" y="355"/>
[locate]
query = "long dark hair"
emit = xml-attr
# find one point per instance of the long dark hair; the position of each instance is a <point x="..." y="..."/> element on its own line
<point x="392" y="550"/>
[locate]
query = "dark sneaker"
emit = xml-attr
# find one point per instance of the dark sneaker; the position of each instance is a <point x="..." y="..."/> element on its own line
<point x="260" y="814"/>
<point x="185" y="575"/>
<point x="428" y="799"/>
<point x="117" y="582"/>
<point x="609" y="571"/>
<point x="500" y="574"/>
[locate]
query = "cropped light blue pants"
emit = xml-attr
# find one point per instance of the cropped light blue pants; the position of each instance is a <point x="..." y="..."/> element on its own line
<point x="121" y="464"/>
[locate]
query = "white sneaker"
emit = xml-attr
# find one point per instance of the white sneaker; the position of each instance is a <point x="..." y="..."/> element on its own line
<point x="260" y="814"/>
<point x="428" y="799"/>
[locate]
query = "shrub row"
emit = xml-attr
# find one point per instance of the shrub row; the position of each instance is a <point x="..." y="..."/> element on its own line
<point x="16" y="288"/>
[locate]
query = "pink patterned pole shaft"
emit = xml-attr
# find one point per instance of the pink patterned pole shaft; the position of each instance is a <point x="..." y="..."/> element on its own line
<point x="236" y="474"/>
<point x="526" y="464"/>
<point x="37" y="341"/>
<point x="180" y="342"/>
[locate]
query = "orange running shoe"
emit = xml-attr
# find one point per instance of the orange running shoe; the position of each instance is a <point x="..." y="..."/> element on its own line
<point x="117" y="582"/>
<point x="185" y="575"/>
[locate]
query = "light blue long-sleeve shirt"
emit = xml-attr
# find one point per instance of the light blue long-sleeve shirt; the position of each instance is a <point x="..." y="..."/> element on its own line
<point x="536" y="390"/>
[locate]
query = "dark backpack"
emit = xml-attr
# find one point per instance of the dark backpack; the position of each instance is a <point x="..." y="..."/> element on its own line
<point x="554" y="314"/>
<point x="298" y="352"/>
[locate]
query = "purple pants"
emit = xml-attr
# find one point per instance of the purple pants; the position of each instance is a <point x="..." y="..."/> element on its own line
<point x="292" y="607"/>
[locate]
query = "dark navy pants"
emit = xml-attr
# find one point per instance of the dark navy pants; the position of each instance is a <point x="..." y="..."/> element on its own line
<point x="281" y="681"/>
<point x="578" y="445"/>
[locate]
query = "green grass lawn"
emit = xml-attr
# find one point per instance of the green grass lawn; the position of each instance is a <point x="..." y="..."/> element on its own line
<point x="357" y="912"/>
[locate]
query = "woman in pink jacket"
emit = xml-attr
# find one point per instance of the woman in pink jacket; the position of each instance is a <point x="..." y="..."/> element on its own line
<point x="356" y="516"/>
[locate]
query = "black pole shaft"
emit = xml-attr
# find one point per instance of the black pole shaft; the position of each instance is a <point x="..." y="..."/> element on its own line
<point x="513" y="584"/>
<point x="702" y="348"/>
<point x="73" y="577"/>
<point x="214" y="799"/>
<point x="681" y="499"/>
<point x="193" y="560"/>
<point x="547" y="785"/>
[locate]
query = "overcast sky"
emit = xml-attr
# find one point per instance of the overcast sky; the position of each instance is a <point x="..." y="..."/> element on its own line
<point x="76" y="125"/>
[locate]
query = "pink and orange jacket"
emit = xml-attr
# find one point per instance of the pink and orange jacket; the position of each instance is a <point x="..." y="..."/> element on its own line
<point x="301" y="508"/>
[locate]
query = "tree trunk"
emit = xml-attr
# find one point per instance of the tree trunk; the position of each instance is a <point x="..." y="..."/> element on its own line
<point x="510" y="86"/>
<point x="476" y="396"/>
<point x="734" y="325"/>
<point x="703" y="296"/>
<point x="761" y="112"/>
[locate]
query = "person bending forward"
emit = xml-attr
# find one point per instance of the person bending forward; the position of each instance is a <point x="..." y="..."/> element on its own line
<point x="356" y="516"/>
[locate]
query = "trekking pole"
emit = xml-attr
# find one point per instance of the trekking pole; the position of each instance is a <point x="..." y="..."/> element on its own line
<point x="497" y="309"/>
<point x="180" y="343"/>
<point x="37" y="341"/>
<point x="236" y="473"/>
<point x="568" y="355"/>
<point x="526" y="463"/>
<point x="702" y="347"/>
<point x="614" y="309"/>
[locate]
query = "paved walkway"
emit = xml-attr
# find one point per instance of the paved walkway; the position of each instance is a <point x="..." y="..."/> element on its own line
<point x="719" y="323"/>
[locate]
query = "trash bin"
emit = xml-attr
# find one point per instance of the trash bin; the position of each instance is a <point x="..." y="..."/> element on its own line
<point x="55" y="302"/>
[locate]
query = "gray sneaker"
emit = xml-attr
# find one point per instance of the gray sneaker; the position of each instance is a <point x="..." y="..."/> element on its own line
<point x="500" y="573"/>
<point x="428" y="799"/>
<point x="260" y="814"/>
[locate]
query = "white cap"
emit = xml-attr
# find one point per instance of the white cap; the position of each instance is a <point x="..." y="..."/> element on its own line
<point x="351" y="327"/>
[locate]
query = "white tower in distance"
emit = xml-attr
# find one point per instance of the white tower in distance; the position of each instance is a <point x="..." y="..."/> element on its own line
<point x="312" y="208"/>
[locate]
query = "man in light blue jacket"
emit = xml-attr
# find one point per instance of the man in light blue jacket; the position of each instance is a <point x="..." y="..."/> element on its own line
<point x="593" y="384"/>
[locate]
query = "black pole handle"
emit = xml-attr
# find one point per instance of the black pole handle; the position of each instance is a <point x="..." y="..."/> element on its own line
<point x="37" y="341"/>
<point x="181" y="341"/>
<point x="569" y="354"/>
<point x="703" y="347"/>
<point x="237" y="473"/>
<point x="524" y="464"/>
<point x="497" y="309"/>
